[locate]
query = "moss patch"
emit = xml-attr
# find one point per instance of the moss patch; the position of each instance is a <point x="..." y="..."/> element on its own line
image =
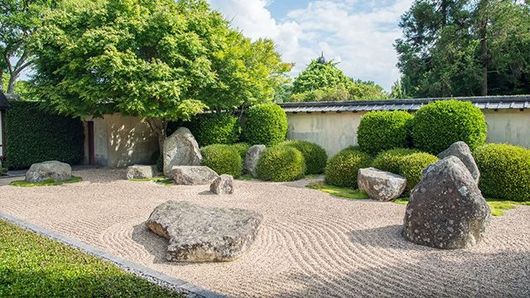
<point x="341" y="192"/>
<point x="48" y="182"/>
<point x="160" y="180"/>
<point x="34" y="266"/>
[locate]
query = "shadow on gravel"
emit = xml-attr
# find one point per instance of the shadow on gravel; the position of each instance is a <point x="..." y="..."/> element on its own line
<point x="155" y="245"/>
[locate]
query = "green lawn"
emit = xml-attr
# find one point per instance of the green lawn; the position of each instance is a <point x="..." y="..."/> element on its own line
<point x="49" y="182"/>
<point x="34" y="266"/>
<point x="498" y="207"/>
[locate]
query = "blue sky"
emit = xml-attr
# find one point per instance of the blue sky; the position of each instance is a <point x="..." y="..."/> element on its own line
<point x="359" y="34"/>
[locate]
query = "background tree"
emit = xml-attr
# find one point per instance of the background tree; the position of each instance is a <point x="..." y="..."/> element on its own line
<point x="159" y="60"/>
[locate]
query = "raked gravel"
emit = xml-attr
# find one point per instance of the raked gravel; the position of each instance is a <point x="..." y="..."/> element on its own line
<point x="309" y="244"/>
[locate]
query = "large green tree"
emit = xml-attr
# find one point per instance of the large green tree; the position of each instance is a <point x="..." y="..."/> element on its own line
<point x="465" y="47"/>
<point x="160" y="60"/>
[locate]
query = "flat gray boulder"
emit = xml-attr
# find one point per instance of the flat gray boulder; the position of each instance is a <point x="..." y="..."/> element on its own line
<point x="381" y="185"/>
<point x="56" y="170"/>
<point x="223" y="184"/>
<point x="446" y="209"/>
<point x="252" y="157"/>
<point x="193" y="175"/>
<point x="181" y="149"/>
<point x="141" y="172"/>
<point x="462" y="151"/>
<point x="204" y="234"/>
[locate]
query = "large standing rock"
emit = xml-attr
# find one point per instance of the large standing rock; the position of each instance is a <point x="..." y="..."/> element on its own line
<point x="181" y="149"/>
<point x="201" y="234"/>
<point x="462" y="151"/>
<point x="223" y="184"/>
<point x="141" y="172"/>
<point x="193" y="175"/>
<point x="446" y="209"/>
<point x="56" y="170"/>
<point x="380" y="185"/>
<point x="252" y="157"/>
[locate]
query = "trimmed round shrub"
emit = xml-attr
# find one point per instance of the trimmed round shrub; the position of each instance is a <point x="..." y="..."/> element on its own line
<point x="242" y="148"/>
<point x="411" y="167"/>
<point x="390" y="160"/>
<point x="439" y="124"/>
<point x="314" y="155"/>
<point x="214" y="128"/>
<point x="265" y="124"/>
<point x="383" y="130"/>
<point x="504" y="171"/>
<point x="223" y="159"/>
<point x="281" y="163"/>
<point x="342" y="168"/>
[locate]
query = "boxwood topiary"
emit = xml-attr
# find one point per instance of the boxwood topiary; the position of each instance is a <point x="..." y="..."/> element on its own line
<point x="504" y="171"/>
<point x="242" y="148"/>
<point x="214" y="128"/>
<point x="439" y="124"/>
<point x="383" y="130"/>
<point x="389" y="160"/>
<point x="223" y="159"/>
<point x="342" y="168"/>
<point x="265" y="124"/>
<point x="281" y="163"/>
<point x="314" y="155"/>
<point x="411" y="167"/>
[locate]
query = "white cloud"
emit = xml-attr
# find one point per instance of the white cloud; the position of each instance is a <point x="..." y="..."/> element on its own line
<point x="358" y="34"/>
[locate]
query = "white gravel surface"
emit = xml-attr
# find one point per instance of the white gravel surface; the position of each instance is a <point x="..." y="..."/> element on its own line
<point x="310" y="244"/>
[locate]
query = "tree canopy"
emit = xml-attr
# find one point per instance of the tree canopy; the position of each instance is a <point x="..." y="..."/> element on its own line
<point x="465" y="48"/>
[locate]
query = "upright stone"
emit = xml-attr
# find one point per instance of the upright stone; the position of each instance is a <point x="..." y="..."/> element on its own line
<point x="141" y="172"/>
<point x="462" y="151"/>
<point x="381" y="185"/>
<point x="204" y="234"/>
<point x="446" y="209"/>
<point x="181" y="149"/>
<point x="56" y="170"/>
<point x="193" y="175"/>
<point x="252" y="157"/>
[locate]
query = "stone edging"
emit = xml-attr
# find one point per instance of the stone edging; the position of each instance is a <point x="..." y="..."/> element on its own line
<point x="138" y="270"/>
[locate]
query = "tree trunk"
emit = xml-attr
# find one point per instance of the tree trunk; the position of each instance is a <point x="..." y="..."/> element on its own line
<point x="483" y="32"/>
<point x="159" y="128"/>
<point x="11" y="84"/>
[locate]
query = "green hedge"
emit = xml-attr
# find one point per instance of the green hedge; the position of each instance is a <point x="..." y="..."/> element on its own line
<point x="383" y="130"/>
<point x="411" y="167"/>
<point x="223" y="159"/>
<point x="242" y="148"/>
<point x="33" y="135"/>
<point x="214" y="128"/>
<point x="281" y="163"/>
<point x="342" y="168"/>
<point x="314" y="155"/>
<point x="390" y="160"/>
<point x="504" y="171"/>
<point x="439" y="124"/>
<point x="264" y="124"/>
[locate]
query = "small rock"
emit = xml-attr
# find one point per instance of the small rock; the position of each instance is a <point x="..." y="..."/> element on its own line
<point x="252" y="157"/>
<point x="462" y="151"/>
<point x="204" y="234"/>
<point x="381" y="185"/>
<point x="446" y="209"/>
<point x="223" y="184"/>
<point x="181" y="149"/>
<point x="141" y="172"/>
<point x="193" y="175"/>
<point x="56" y="170"/>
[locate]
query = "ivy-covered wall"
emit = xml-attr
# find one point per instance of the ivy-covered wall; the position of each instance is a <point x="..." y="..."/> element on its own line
<point x="34" y="135"/>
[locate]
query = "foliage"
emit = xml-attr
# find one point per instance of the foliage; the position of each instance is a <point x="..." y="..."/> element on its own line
<point x="383" y="130"/>
<point x="214" y="128"/>
<point x="342" y="168"/>
<point x="48" y="182"/>
<point x="33" y="135"/>
<point x="390" y="160"/>
<point x="242" y="148"/>
<point x="411" y="167"/>
<point x="281" y="163"/>
<point x="314" y="155"/>
<point x="34" y="266"/>
<point x="320" y="74"/>
<point x="504" y="171"/>
<point x="356" y="90"/>
<point x="264" y="124"/>
<point x="341" y="192"/>
<point x="439" y="124"/>
<point x="465" y="48"/>
<point x="223" y="159"/>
